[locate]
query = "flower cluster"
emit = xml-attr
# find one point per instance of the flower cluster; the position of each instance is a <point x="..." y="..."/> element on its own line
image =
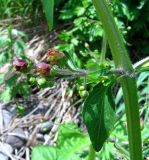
<point x="43" y="68"/>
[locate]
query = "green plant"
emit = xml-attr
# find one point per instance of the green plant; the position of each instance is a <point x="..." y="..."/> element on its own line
<point x="100" y="75"/>
<point x="92" y="113"/>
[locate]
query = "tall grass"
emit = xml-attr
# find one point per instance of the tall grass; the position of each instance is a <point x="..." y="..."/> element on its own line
<point x="22" y="8"/>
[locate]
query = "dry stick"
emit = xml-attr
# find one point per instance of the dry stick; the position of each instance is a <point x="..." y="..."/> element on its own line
<point x="71" y="106"/>
<point x="55" y="123"/>
<point x="57" y="111"/>
<point x="20" y="124"/>
<point x="77" y="114"/>
<point x="1" y="121"/>
<point x="62" y="105"/>
<point x="32" y="138"/>
<point x="27" y="154"/>
<point x="42" y="92"/>
<point x="18" y="158"/>
<point x="21" y="152"/>
<point x="140" y="63"/>
<point x="54" y="94"/>
<point x="50" y="109"/>
<point x="51" y="96"/>
<point x="33" y="111"/>
<point x="63" y="91"/>
<point x="10" y="20"/>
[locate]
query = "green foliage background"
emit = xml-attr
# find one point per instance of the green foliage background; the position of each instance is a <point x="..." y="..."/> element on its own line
<point x="83" y="27"/>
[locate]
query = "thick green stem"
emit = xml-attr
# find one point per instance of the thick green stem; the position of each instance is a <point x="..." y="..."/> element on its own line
<point x="92" y="153"/>
<point x="122" y="61"/>
<point x="103" y="49"/>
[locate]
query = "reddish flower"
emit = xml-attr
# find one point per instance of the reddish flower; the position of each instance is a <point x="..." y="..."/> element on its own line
<point x="19" y="64"/>
<point x="54" y="56"/>
<point x="43" y="68"/>
<point x="52" y="52"/>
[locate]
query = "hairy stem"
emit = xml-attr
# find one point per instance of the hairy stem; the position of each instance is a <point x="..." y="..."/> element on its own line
<point x="91" y="153"/>
<point x="103" y="49"/>
<point x="121" y="60"/>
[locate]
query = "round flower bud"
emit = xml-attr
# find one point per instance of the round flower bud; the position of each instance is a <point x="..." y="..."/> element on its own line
<point x="54" y="56"/>
<point x="41" y="81"/>
<point x="83" y="93"/>
<point x="19" y="64"/>
<point x="82" y="88"/>
<point x="32" y="80"/>
<point x="43" y="69"/>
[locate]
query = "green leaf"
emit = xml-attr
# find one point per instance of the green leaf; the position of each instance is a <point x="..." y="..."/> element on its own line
<point x="6" y="94"/>
<point x="48" y="6"/>
<point x="72" y="59"/>
<point x="71" y="141"/>
<point x="22" y="88"/>
<point x="79" y="11"/>
<point x="66" y="14"/>
<point x="99" y="114"/>
<point x="4" y="41"/>
<point x="4" y="57"/>
<point x="66" y="131"/>
<point x="44" y="153"/>
<point x="19" y="47"/>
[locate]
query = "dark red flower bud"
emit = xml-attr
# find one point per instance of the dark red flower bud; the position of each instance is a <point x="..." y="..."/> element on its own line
<point x="52" y="52"/>
<point x="43" y="69"/>
<point x="54" y="56"/>
<point x="19" y="64"/>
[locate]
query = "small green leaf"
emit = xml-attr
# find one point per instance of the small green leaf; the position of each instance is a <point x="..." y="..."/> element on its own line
<point x="66" y="14"/>
<point x="19" y="47"/>
<point x="99" y="114"/>
<point x="48" y="6"/>
<point x="4" y="57"/>
<point x="4" y="41"/>
<point x="6" y="95"/>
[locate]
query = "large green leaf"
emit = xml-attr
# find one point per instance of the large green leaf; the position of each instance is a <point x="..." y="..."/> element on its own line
<point x="99" y="114"/>
<point x="44" y="153"/>
<point x="48" y="7"/>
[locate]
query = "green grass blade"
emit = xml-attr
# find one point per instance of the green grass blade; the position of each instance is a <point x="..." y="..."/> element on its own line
<point x="48" y="7"/>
